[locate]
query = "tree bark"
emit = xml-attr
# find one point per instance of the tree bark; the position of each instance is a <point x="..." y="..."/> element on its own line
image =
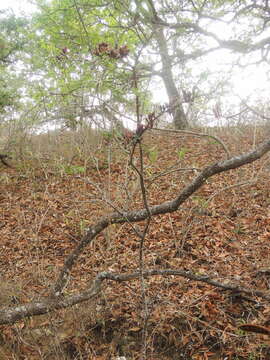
<point x="179" y="116"/>
<point x="163" y="208"/>
<point x="9" y="315"/>
<point x="42" y="306"/>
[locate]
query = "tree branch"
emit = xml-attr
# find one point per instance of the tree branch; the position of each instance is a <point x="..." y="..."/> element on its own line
<point x="163" y="208"/>
<point x="235" y="45"/>
<point x="45" y="305"/>
<point x="193" y="133"/>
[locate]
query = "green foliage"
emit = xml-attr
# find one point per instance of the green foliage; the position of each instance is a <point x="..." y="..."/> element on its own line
<point x="6" y="97"/>
<point x="58" y="50"/>
<point x="71" y="169"/>
<point x="182" y="152"/>
<point x="239" y="229"/>
<point x="12" y="41"/>
<point x="84" y="224"/>
<point x="66" y="38"/>
<point x="213" y="141"/>
<point x="201" y="202"/>
<point x="12" y="37"/>
<point x="107" y="135"/>
<point x="152" y="154"/>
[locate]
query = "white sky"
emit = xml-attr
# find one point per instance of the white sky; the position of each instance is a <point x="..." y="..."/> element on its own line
<point x="18" y="6"/>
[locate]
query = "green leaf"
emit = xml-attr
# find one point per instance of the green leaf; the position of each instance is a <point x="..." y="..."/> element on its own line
<point x="200" y="201"/>
<point x="182" y="152"/>
<point x="72" y="169"/>
<point x="153" y="155"/>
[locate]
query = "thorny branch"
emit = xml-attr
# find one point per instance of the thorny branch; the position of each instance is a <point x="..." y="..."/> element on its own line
<point x="254" y="111"/>
<point x="56" y="301"/>
<point x="140" y="173"/>
<point x="163" y="208"/>
<point x="193" y="133"/>
<point x="4" y="161"/>
<point x="45" y="305"/>
<point x="142" y="236"/>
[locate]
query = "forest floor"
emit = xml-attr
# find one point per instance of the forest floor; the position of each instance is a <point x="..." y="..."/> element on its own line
<point x="223" y="230"/>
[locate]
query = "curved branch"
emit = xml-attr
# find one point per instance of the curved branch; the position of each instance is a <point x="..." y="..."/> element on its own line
<point x="163" y="208"/>
<point x="254" y="111"/>
<point x="244" y="183"/>
<point x="188" y="132"/>
<point x="234" y="45"/>
<point x="3" y="160"/>
<point x="45" y="305"/>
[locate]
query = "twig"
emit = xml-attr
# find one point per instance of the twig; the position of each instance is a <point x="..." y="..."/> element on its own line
<point x="163" y="208"/>
<point x="255" y="111"/>
<point x="153" y="178"/>
<point x="193" y="133"/>
<point x="251" y="182"/>
<point x="3" y="160"/>
<point x="142" y="240"/>
<point x="9" y="315"/>
<point x="142" y="236"/>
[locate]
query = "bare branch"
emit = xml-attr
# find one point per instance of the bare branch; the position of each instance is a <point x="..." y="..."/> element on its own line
<point x="4" y="161"/>
<point x="45" y="305"/>
<point x="255" y="111"/>
<point x="244" y="183"/>
<point x="163" y="208"/>
<point x="188" y="132"/>
<point x="191" y="276"/>
<point x="235" y="45"/>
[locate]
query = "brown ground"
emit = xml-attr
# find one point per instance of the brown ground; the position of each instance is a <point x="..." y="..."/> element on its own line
<point x="46" y="205"/>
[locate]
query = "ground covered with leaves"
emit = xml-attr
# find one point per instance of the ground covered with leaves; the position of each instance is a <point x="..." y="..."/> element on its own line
<point x="47" y="204"/>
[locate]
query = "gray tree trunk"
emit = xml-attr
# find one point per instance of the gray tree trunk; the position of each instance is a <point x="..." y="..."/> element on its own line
<point x="179" y="116"/>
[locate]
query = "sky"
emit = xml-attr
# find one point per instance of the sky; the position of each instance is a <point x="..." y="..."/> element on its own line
<point x="17" y="6"/>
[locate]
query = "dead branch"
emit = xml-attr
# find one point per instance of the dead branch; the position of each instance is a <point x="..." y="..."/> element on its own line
<point x="193" y="133"/>
<point x="3" y="160"/>
<point x="163" y="208"/>
<point x="45" y="305"/>
<point x="244" y="183"/>
<point x="254" y="111"/>
<point x="55" y="301"/>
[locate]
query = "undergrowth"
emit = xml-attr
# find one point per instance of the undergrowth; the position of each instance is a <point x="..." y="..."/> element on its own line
<point x="63" y="184"/>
